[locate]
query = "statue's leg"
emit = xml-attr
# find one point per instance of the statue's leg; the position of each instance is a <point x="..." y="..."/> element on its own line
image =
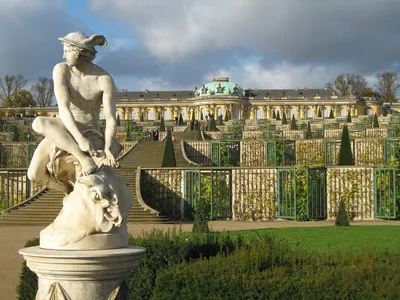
<point x="54" y="130"/>
<point x="38" y="173"/>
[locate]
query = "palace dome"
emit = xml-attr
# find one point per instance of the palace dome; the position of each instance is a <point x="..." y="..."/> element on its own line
<point x="220" y="86"/>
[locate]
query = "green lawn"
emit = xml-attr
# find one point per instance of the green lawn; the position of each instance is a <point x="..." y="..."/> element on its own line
<point x="357" y="238"/>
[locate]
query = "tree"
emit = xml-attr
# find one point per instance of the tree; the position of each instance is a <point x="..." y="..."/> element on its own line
<point x="200" y="224"/>
<point x="319" y="113"/>
<point x="193" y="116"/>
<point x="169" y="154"/>
<point x="284" y="120"/>
<point x="331" y="114"/>
<point x="387" y="86"/>
<point x="180" y="119"/>
<point x="226" y="117"/>
<point x="278" y="117"/>
<point x="212" y="126"/>
<point x="308" y="134"/>
<point x="376" y="123"/>
<point x="345" y="154"/>
<point x="293" y="125"/>
<point x="341" y="218"/>
<point x="43" y="91"/>
<point x="348" y="117"/>
<point x="162" y="126"/>
<point x="11" y="85"/>
<point x="23" y="98"/>
<point x="118" y="121"/>
<point x="274" y="114"/>
<point x="142" y="117"/>
<point x="348" y="83"/>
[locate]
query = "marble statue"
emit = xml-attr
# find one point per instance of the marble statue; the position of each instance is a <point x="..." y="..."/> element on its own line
<point x="76" y="158"/>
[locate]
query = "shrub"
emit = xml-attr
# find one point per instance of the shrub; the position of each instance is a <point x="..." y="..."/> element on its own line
<point x="345" y="154"/>
<point x="308" y="134"/>
<point x="293" y="125"/>
<point x="200" y="223"/>
<point x="284" y="120"/>
<point x="226" y="119"/>
<point x="212" y="126"/>
<point x="180" y="119"/>
<point x="331" y="114"/>
<point x="273" y="114"/>
<point x="376" y="123"/>
<point x="278" y="117"/>
<point x="341" y="218"/>
<point x="169" y="154"/>
<point x="162" y="126"/>
<point x="348" y="117"/>
<point x="319" y="113"/>
<point x="28" y="282"/>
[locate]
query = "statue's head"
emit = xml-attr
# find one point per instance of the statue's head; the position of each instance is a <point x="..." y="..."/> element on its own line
<point x="77" y="45"/>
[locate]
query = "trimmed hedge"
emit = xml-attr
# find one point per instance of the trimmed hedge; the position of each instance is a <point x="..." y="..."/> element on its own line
<point x="28" y="282"/>
<point x="268" y="269"/>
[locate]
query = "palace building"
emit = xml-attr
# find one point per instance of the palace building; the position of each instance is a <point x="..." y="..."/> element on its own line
<point x="221" y="96"/>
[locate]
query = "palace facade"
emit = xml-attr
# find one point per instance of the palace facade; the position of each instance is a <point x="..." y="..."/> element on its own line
<point x="221" y="96"/>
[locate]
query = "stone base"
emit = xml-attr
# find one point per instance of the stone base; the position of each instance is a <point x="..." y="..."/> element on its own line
<point x="82" y="275"/>
<point x="117" y="238"/>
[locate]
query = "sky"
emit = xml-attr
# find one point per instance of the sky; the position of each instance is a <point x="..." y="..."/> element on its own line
<point x="180" y="44"/>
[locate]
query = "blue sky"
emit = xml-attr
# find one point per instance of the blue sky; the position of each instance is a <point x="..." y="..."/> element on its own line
<point x="179" y="44"/>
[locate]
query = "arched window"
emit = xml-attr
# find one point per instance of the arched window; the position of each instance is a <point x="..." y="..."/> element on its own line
<point x="220" y="112"/>
<point x="327" y="112"/>
<point x="184" y="114"/>
<point x="293" y="112"/>
<point x="309" y="113"/>
<point x="236" y="113"/>
<point x="203" y="113"/>
<point x="134" y="115"/>
<point x="259" y="114"/>
<point x="369" y="111"/>
<point x="150" y="114"/>
<point x="343" y="112"/>
<point x="167" y="115"/>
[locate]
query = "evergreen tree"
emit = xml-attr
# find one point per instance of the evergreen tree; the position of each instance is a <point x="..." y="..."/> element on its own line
<point x="331" y="114"/>
<point x="345" y="154"/>
<point x="376" y="123"/>
<point x="293" y="125"/>
<point x="162" y="125"/>
<point x="169" y="155"/>
<point x="220" y="122"/>
<point x="226" y="117"/>
<point x="212" y="126"/>
<point x="308" y="134"/>
<point x="348" y="117"/>
<point x="180" y="119"/>
<point x="118" y="121"/>
<point x="200" y="224"/>
<point x="193" y="116"/>
<point x="158" y="116"/>
<point x="273" y="114"/>
<point x="319" y="113"/>
<point x="278" y="117"/>
<point x="201" y="116"/>
<point x="142" y="117"/>
<point x="284" y="120"/>
<point x="341" y="218"/>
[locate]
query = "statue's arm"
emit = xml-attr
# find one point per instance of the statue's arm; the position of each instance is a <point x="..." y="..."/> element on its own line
<point x="109" y="110"/>
<point x="62" y="95"/>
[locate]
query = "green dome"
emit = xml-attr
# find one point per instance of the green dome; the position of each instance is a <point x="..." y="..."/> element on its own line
<point x="220" y="86"/>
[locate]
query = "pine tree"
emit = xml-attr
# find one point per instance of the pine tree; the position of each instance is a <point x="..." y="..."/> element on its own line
<point x="319" y="113"/>
<point x="158" y="116"/>
<point x="118" y="121"/>
<point x="284" y="120"/>
<point x="308" y="134"/>
<point x="348" y="117"/>
<point x="193" y="116"/>
<point x="345" y="154"/>
<point x="226" y="117"/>
<point x="212" y="126"/>
<point x="169" y="155"/>
<point x="293" y="125"/>
<point x="180" y="119"/>
<point x="331" y="114"/>
<point x="341" y="218"/>
<point x="376" y="123"/>
<point x="278" y="117"/>
<point x="201" y="116"/>
<point x="220" y="122"/>
<point x="142" y="117"/>
<point x="274" y="114"/>
<point x="162" y="126"/>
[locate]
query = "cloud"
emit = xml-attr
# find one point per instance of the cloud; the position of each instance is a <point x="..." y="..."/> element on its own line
<point x="29" y="32"/>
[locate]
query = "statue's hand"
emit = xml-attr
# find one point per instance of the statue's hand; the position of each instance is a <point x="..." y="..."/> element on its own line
<point x="109" y="159"/>
<point x="87" y="146"/>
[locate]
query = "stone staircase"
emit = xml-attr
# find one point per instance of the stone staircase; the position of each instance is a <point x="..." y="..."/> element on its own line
<point x="183" y="136"/>
<point x="44" y="207"/>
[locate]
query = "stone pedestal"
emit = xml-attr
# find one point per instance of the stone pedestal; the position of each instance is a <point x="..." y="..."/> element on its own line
<point x="82" y="275"/>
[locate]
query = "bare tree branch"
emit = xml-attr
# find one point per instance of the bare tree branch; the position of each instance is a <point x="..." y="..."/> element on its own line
<point x="387" y="86"/>
<point x="10" y="85"/>
<point x="348" y="83"/>
<point x="43" y="91"/>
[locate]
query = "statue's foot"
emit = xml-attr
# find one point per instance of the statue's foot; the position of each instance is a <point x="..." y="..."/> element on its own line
<point x="88" y="166"/>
